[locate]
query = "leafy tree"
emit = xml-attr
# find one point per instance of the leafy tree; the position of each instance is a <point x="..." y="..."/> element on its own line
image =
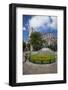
<point x="36" y="40"/>
<point x="28" y="45"/>
<point x="53" y="46"/>
<point x="45" y="43"/>
<point x="24" y="46"/>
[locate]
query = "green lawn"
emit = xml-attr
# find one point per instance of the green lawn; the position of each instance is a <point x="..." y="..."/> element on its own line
<point x="42" y="58"/>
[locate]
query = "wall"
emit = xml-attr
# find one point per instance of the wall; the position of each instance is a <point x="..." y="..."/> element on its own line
<point x="4" y="44"/>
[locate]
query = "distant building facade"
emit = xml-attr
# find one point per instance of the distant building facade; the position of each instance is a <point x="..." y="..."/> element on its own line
<point x="48" y="38"/>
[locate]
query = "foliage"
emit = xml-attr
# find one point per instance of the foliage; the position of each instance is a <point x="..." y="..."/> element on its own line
<point x="36" y="40"/>
<point x="24" y="46"/>
<point x="53" y="47"/>
<point x="28" y="46"/>
<point x="42" y="58"/>
<point x="45" y="43"/>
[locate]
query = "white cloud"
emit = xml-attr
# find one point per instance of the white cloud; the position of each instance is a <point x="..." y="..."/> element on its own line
<point x="38" y="21"/>
<point x="43" y="21"/>
<point x="24" y="29"/>
<point x="53" y="24"/>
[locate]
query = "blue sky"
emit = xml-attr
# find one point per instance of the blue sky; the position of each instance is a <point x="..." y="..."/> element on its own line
<point x="25" y="20"/>
<point x="43" y="24"/>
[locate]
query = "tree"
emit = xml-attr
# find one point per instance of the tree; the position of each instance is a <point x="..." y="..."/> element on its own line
<point x="45" y="43"/>
<point x="28" y="45"/>
<point x="24" y="46"/>
<point x="36" y="40"/>
<point x="53" y="46"/>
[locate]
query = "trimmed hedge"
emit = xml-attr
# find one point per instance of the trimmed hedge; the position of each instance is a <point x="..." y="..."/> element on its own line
<point x="42" y="59"/>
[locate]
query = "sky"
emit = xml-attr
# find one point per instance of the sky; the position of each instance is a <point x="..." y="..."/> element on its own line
<point x="42" y="24"/>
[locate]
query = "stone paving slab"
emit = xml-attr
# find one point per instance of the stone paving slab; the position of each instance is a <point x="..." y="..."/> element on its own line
<point x="31" y="68"/>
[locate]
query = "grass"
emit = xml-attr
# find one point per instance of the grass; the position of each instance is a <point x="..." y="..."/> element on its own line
<point x="42" y="58"/>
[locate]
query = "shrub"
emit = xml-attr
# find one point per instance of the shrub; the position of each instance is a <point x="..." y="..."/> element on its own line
<point x="53" y="47"/>
<point x="43" y="59"/>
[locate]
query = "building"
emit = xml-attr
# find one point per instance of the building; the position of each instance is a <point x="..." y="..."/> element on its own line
<point x="48" y="38"/>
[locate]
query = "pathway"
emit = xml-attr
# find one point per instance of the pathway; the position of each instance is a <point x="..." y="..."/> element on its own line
<point x="31" y="68"/>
